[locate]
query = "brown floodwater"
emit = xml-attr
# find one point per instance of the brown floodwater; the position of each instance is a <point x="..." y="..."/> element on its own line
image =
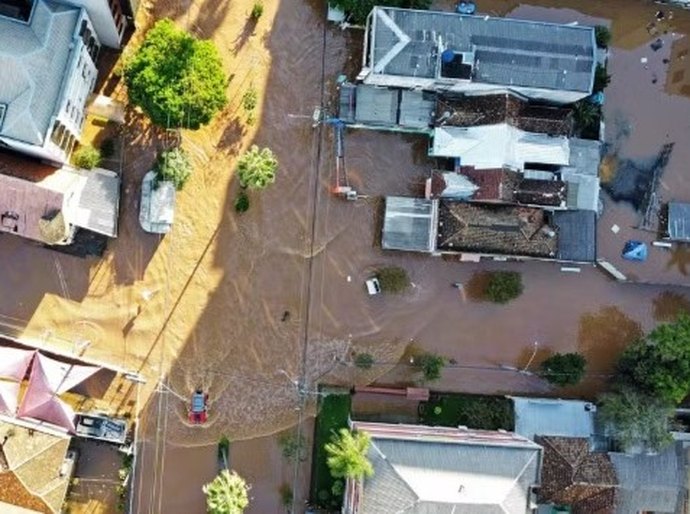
<point x="227" y="302"/>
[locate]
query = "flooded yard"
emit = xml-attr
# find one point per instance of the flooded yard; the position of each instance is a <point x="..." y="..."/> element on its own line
<point x="245" y="305"/>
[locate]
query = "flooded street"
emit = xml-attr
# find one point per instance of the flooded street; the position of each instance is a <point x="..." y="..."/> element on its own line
<point x="243" y="305"/>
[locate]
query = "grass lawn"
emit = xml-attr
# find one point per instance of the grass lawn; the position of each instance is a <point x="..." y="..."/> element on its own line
<point x="472" y="411"/>
<point x="333" y="415"/>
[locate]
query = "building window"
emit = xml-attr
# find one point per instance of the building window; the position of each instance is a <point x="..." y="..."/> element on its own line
<point x="3" y="110"/>
<point x="10" y="221"/>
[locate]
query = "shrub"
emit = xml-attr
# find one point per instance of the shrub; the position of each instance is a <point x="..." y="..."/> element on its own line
<point x="257" y="10"/>
<point x="602" y="35"/>
<point x="358" y="10"/>
<point x="174" y="166"/>
<point x="87" y="157"/>
<point x="564" y="369"/>
<point x="223" y="448"/>
<point x="249" y="99"/>
<point x="601" y="79"/>
<point x="257" y="168"/>
<point x="348" y="455"/>
<point x="393" y="279"/>
<point x="338" y="488"/>
<point x="503" y="286"/>
<point x="292" y="447"/>
<point x="286" y="495"/>
<point x="431" y="366"/>
<point x="175" y="78"/>
<point x="108" y="148"/>
<point x="364" y="360"/>
<point x="242" y="202"/>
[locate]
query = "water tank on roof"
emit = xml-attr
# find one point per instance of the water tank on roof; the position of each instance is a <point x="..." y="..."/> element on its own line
<point x="448" y="56"/>
<point x="466" y="7"/>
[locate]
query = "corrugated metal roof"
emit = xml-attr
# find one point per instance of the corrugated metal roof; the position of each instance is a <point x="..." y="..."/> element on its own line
<point x="33" y="61"/>
<point x="409" y="224"/>
<point x="495" y="146"/>
<point x="416" y="110"/>
<point x="576" y="235"/>
<point x="553" y="417"/>
<point x="679" y="221"/>
<point x="98" y="203"/>
<point x="650" y="483"/>
<point x="429" y="477"/>
<point x="506" y="51"/>
<point x="376" y="105"/>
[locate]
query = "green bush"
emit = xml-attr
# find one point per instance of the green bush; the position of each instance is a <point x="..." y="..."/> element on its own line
<point x="564" y="369"/>
<point x="286" y="495"/>
<point x="250" y="99"/>
<point x="602" y="35"/>
<point x="242" y="202"/>
<point x="257" y="168"/>
<point x="393" y="279"/>
<point x="601" y="79"/>
<point x="503" y="286"/>
<point x="292" y="447"/>
<point x="257" y="10"/>
<point x="87" y="157"/>
<point x="173" y="166"/>
<point x="364" y="360"/>
<point x="108" y="148"/>
<point x="223" y="448"/>
<point x="431" y="366"/>
<point x="358" y="10"/>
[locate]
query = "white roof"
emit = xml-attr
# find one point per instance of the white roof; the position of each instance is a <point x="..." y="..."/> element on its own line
<point x="495" y="146"/>
<point x="553" y="417"/>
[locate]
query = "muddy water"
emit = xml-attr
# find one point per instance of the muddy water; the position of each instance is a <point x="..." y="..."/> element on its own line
<point x="227" y="301"/>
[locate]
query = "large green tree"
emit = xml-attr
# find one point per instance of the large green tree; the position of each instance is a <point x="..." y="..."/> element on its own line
<point x="257" y="168"/>
<point x="358" y="10"/>
<point x="347" y="454"/>
<point x="226" y="494"/>
<point x="174" y="166"/>
<point x="564" y="369"/>
<point x="660" y="363"/>
<point x="176" y="79"/>
<point x="639" y="422"/>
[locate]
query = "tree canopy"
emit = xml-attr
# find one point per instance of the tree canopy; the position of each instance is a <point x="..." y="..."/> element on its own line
<point x="503" y="286"/>
<point x="347" y="454"/>
<point x="358" y="10"/>
<point x="564" y="369"/>
<point x="393" y="279"/>
<point x="640" y="422"/>
<point x="431" y="366"/>
<point x="660" y="363"/>
<point x="174" y="166"/>
<point x="175" y="78"/>
<point x="226" y="494"/>
<point x="257" y="168"/>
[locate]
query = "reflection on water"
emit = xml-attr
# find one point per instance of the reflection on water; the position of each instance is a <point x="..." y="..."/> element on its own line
<point x="604" y="334"/>
<point x="669" y="305"/>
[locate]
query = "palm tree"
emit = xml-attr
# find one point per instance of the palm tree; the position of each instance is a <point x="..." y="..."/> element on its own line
<point x="347" y="454"/>
<point x="257" y="168"/>
<point x="226" y="494"/>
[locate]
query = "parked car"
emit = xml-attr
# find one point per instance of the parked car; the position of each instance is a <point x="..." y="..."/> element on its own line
<point x="157" y="209"/>
<point x="101" y="427"/>
<point x="373" y="286"/>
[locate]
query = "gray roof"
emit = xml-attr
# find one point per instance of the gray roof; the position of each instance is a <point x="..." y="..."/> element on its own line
<point x="376" y="105"/>
<point x="582" y="175"/>
<point x="409" y="224"/>
<point x="679" y="221"/>
<point x="438" y="477"/>
<point x="503" y="51"/>
<point x="553" y="417"/>
<point x="33" y="61"/>
<point x="651" y="483"/>
<point x="416" y="109"/>
<point x="99" y="202"/>
<point x="576" y="235"/>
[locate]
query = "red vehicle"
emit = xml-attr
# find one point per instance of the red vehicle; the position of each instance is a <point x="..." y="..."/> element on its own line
<point x="198" y="410"/>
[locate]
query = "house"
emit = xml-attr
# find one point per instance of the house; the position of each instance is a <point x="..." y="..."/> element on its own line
<point x="420" y="469"/>
<point x="48" y="51"/>
<point x="655" y="483"/>
<point x="449" y="52"/>
<point x="553" y="417"/>
<point x="678" y="228"/>
<point x="35" y="468"/>
<point x="48" y="205"/>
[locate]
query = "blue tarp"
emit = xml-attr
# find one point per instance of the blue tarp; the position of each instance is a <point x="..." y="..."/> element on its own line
<point x="635" y="251"/>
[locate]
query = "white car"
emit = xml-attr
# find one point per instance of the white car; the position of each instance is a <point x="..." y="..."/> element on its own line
<point x="157" y="209"/>
<point x="373" y="286"/>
